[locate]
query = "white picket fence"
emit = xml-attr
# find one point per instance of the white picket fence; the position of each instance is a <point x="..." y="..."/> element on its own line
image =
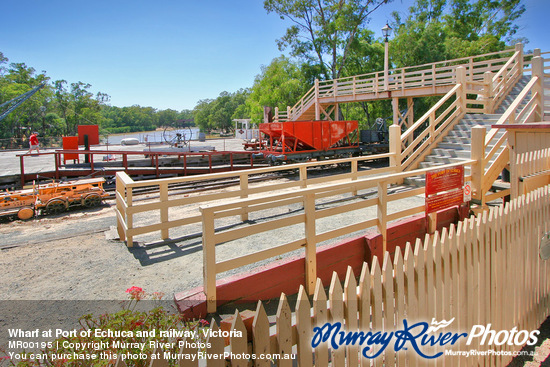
<point x="484" y="271"/>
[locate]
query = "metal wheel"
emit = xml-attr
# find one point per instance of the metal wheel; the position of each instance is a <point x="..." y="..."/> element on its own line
<point x="25" y="213"/>
<point x="176" y="138"/>
<point x="91" y="201"/>
<point x="55" y="207"/>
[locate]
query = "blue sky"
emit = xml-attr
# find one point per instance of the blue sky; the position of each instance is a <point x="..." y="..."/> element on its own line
<point x="168" y="53"/>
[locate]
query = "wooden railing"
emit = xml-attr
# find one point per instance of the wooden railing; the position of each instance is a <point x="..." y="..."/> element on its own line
<point x="505" y="79"/>
<point x="427" y="75"/>
<point x="484" y="271"/>
<point x="299" y="230"/>
<point x="133" y="216"/>
<point x="492" y="149"/>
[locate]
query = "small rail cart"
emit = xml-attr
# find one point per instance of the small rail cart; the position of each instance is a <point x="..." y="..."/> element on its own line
<point x="52" y="198"/>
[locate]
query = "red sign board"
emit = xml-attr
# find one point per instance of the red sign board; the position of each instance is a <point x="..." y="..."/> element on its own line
<point x="444" y="188"/>
<point x="93" y="134"/>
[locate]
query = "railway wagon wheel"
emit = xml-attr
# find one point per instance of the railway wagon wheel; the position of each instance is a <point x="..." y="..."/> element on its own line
<point x="91" y="201"/>
<point x="55" y="206"/>
<point x="25" y="213"/>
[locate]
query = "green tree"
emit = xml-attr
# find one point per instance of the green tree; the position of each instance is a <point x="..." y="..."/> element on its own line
<point x="323" y="31"/>
<point x="436" y="30"/>
<point x="280" y="84"/>
<point x="18" y="79"/>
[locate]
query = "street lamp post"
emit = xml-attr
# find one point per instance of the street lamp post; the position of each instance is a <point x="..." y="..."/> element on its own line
<point x="386" y="31"/>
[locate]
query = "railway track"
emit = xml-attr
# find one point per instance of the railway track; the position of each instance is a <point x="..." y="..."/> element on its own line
<point x="201" y="186"/>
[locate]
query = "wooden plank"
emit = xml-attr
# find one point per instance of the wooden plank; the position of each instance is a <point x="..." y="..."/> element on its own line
<point x="209" y="259"/>
<point x="336" y="313"/>
<point x="303" y="328"/>
<point x="420" y="276"/>
<point x="260" y="336"/>
<point x="389" y="306"/>
<point x="429" y="256"/>
<point x="259" y="256"/>
<point x="187" y="350"/>
<point x="400" y="295"/>
<point x="239" y="345"/>
<point x="364" y="299"/>
<point x="411" y="297"/>
<point x="284" y="331"/>
<point x="271" y="225"/>
<point x="215" y="344"/>
<point x="328" y="235"/>
<point x="351" y="309"/>
<point x="376" y="304"/>
<point x="320" y="317"/>
<point x="311" y="242"/>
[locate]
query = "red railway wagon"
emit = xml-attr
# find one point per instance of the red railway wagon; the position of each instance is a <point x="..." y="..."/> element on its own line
<point x="301" y="140"/>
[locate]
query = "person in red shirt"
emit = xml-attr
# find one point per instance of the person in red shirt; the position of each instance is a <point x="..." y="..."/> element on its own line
<point x="33" y="143"/>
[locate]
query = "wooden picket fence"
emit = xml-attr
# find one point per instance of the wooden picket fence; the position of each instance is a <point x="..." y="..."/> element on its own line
<point x="485" y="270"/>
<point x="531" y="170"/>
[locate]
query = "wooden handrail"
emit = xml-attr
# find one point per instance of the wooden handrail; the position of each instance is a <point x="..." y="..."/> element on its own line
<point x="430" y="74"/>
<point x="307" y="196"/>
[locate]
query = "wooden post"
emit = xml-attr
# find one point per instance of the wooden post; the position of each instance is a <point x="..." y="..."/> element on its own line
<point x="519" y="48"/>
<point x="243" y="178"/>
<point x="303" y="176"/>
<point x="120" y="217"/>
<point x="382" y="212"/>
<point x="478" y="169"/>
<point x="538" y="72"/>
<point x="164" y="232"/>
<point x="311" y="243"/>
<point x="488" y="92"/>
<point x="209" y="259"/>
<point x="276" y="118"/>
<point x="461" y="79"/>
<point x="395" y="146"/>
<point x="395" y="108"/>
<point x="129" y="217"/>
<point x="317" y="106"/>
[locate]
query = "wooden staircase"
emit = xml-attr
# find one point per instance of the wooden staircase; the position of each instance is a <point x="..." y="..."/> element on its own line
<point x="456" y="146"/>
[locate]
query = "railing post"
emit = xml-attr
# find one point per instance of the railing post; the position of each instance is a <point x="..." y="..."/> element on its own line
<point x="519" y="48"/>
<point x="129" y="216"/>
<point x="288" y="109"/>
<point x="538" y="72"/>
<point x="276" y="119"/>
<point x="488" y="92"/>
<point x="209" y="258"/>
<point x="382" y="212"/>
<point x="164" y="232"/>
<point x="461" y="79"/>
<point x="311" y="243"/>
<point x="317" y="107"/>
<point x="395" y="110"/>
<point x="354" y="173"/>
<point x="303" y="176"/>
<point x="243" y="178"/>
<point x="121" y="195"/>
<point x="395" y="147"/>
<point x="477" y="153"/>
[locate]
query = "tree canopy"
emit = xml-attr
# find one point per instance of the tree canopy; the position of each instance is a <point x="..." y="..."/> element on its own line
<point x="326" y="39"/>
<point x="323" y="31"/>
